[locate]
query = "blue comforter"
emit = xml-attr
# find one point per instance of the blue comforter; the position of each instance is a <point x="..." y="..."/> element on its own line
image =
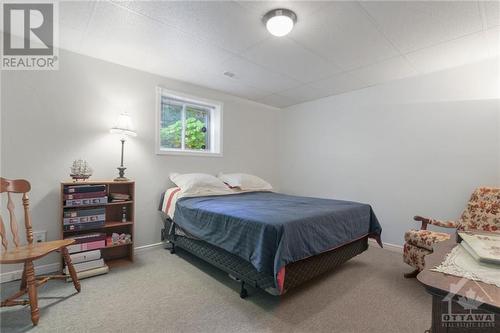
<point x="270" y="229"/>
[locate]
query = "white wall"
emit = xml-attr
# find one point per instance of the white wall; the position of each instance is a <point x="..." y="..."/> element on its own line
<point x="50" y="118"/>
<point x="414" y="146"/>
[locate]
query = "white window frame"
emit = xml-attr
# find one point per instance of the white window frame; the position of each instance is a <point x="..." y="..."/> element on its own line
<point x="215" y="140"/>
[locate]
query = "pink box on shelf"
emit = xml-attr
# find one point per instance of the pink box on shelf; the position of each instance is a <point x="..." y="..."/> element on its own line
<point x="87" y="246"/>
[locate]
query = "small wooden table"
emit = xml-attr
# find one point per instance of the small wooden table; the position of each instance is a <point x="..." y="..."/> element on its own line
<point x="459" y="304"/>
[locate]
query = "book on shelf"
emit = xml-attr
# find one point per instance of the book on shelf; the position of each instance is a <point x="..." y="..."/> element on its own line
<point x="84" y="226"/>
<point x="91" y="272"/>
<point x="86" y="201"/>
<point x="85" y="238"/>
<point x="86" y="246"/>
<point x="86" y="188"/>
<point x="85" y="256"/>
<point x="93" y="243"/>
<point x="120" y="196"/>
<point x="484" y="247"/>
<point x="84" y="212"/>
<point x="85" y="266"/>
<point x="84" y="195"/>
<point x="84" y="219"/>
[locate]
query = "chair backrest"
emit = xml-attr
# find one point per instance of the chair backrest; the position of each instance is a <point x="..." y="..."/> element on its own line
<point x="483" y="211"/>
<point x="16" y="186"/>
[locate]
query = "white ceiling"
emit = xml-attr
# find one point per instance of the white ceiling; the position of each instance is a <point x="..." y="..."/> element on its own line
<point x="335" y="46"/>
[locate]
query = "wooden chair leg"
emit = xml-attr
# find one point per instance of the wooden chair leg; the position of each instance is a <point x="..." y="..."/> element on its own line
<point x="32" y="292"/>
<point x="412" y="274"/>
<point x="71" y="268"/>
<point x="23" y="279"/>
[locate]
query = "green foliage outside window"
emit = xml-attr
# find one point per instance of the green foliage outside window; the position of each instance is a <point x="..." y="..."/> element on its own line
<point x="195" y="134"/>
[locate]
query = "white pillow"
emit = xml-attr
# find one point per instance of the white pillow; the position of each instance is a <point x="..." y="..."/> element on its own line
<point x="199" y="184"/>
<point x="245" y="182"/>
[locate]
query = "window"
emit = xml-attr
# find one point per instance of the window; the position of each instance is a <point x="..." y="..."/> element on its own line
<point x="188" y="125"/>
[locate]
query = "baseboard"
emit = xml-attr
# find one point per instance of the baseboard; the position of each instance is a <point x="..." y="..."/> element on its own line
<point x="147" y="247"/>
<point x="40" y="269"/>
<point x="54" y="267"/>
<point x="387" y="246"/>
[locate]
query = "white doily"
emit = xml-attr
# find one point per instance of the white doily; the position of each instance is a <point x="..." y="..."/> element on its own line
<point x="460" y="263"/>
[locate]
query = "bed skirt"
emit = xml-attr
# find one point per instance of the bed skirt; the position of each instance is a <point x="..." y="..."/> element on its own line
<point x="295" y="273"/>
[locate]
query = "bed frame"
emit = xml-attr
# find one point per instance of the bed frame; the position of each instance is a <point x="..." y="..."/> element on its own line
<point x="241" y="270"/>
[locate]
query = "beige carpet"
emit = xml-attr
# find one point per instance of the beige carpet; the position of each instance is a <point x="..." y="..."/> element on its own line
<point x="161" y="292"/>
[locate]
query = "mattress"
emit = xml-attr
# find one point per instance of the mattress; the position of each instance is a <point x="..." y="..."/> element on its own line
<point x="271" y="230"/>
<point x="291" y="276"/>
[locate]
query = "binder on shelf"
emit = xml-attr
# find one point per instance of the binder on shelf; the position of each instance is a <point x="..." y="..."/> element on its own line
<point x="87" y="201"/>
<point x="83" y="226"/>
<point x="84" y="212"/>
<point x="95" y="245"/>
<point x="85" y="256"/>
<point x="84" y="219"/>
<point x="85" y="238"/>
<point x="84" y="195"/>
<point x="85" y="266"/>
<point x="70" y="189"/>
<point x="90" y="272"/>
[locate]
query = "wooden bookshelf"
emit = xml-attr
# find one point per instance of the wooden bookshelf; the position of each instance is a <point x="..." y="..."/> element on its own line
<point x="119" y="253"/>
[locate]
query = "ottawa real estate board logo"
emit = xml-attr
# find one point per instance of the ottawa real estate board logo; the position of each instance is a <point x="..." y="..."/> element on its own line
<point x="29" y="33"/>
<point x="467" y="314"/>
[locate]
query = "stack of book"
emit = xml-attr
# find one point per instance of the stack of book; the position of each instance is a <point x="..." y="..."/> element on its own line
<point x="85" y="254"/>
<point x="484" y="247"/>
<point x="119" y="197"/>
<point x="84" y="219"/>
<point x="82" y="195"/>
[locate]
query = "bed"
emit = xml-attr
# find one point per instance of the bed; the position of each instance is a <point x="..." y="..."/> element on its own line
<point x="265" y="239"/>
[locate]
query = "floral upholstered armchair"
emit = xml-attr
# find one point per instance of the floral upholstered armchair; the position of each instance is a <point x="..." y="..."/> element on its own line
<point x="482" y="213"/>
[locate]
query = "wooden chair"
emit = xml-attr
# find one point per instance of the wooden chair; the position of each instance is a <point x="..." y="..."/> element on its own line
<point x="28" y="253"/>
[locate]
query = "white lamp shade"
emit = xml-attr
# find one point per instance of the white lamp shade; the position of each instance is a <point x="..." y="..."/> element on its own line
<point x="279" y="22"/>
<point x="123" y="126"/>
<point x="279" y="25"/>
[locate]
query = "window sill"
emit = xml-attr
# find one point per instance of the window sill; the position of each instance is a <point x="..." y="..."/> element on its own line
<point x="187" y="153"/>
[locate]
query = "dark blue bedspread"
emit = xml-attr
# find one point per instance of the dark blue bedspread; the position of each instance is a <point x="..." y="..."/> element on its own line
<point x="271" y="230"/>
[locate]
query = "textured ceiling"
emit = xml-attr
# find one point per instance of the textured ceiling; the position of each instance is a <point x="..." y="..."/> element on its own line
<point x="335" y="46"/>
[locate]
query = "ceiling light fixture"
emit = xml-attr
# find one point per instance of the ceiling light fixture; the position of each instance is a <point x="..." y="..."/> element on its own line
<point x="279" y="22"/>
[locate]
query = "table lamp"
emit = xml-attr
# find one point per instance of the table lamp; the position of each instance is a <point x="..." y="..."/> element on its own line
<point x="124" y="128"/>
